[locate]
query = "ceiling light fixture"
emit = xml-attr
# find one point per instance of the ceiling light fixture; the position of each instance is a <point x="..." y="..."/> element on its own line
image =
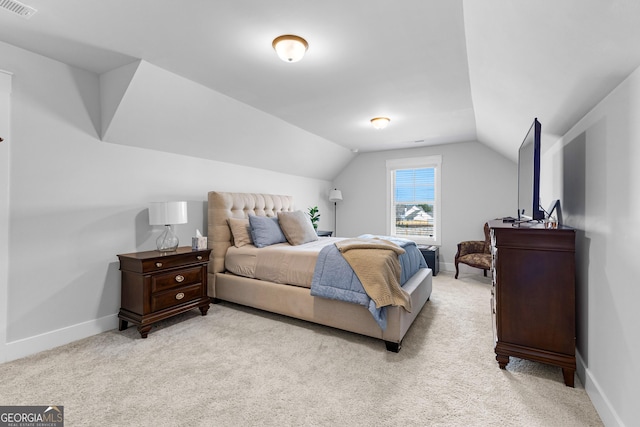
<point x="290" y="48"/>
<point x="380" y="122"/>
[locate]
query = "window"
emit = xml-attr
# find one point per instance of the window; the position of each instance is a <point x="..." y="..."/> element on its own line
<point x="413" y="198"/>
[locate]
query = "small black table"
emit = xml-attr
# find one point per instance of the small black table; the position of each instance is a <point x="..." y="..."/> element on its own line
<point x="431" y="254"/>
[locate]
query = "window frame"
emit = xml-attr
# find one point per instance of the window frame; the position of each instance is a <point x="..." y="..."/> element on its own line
<point x="415" y="163"/>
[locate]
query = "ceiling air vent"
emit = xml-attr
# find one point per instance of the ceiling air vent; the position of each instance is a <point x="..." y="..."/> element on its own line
<point x="18" y="8"/>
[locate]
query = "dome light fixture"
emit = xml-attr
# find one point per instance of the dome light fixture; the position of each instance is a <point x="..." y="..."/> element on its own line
<point x="380" y="122"/>
<point x="290" y="48"/>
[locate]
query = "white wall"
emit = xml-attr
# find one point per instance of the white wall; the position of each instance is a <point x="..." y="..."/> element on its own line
<point x="75" y="202"/>
<point x="593" y="169"/>
<point x="5" y="96"/>
<point x="478" y="184"/>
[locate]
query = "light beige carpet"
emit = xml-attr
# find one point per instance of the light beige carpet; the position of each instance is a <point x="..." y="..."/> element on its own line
<point x="238" y="366"/>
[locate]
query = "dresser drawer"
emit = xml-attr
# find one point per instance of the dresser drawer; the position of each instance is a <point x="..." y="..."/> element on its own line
<point x="175" y="296"/>
<point x="161" y="282"/>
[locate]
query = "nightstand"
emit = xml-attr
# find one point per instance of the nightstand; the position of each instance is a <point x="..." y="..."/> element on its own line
<point x="157" y="285"/>
<point x="431" y="255"/>
<point x="322" y="233"/>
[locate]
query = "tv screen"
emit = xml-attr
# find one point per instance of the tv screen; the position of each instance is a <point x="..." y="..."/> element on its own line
<point x="529" y="175"/>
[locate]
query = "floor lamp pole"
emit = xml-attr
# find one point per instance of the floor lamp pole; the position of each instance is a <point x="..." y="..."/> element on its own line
<point x="335" y="196"/>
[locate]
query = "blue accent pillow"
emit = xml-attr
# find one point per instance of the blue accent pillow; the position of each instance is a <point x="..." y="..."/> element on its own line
<point x="265" y="231"/>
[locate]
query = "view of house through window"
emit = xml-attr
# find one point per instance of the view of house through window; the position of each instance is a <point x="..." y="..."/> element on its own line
<point x="414" y="198"/>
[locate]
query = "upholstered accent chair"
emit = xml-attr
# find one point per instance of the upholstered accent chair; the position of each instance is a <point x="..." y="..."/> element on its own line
<point x="475" y="253"/>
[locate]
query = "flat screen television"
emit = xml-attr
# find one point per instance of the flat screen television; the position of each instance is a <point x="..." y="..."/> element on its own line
<point x="529" y="175"/>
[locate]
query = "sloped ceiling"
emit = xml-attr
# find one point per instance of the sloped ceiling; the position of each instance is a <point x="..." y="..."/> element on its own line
<point x="146" y="106"/>
<point x="554" y="60"/>
<point x="443" y="70"/>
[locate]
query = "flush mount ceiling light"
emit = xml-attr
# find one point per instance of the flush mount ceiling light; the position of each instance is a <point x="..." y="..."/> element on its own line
<point x="380" y="122"/>
<point x="290" y="48"/>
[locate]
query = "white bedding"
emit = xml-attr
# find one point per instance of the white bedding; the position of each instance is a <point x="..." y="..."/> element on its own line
<point x="280" y="263"/>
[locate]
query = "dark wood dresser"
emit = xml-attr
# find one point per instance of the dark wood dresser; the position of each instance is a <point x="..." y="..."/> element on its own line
<point x="533" y="294"/>
<point x="157" y="285"/>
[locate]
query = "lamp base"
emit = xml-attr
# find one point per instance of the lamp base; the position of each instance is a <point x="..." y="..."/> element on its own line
<point x="168" y="241"/>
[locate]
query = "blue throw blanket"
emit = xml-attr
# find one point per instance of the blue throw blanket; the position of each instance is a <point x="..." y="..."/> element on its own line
<point x="334" y="278"/>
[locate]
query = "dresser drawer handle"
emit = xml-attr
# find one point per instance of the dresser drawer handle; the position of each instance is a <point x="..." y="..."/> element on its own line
<point x="158" y="264"/>
<point x="199" y="257"/>
<point x="180" y="295"/>
<point x="180" y="278"/>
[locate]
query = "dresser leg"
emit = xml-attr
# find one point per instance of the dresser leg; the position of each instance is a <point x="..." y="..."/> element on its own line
<point x="204" y="310"/>
<point x="503" y="361"/>
<point x="144" y="330"/>
<point x="122" y="325"/>
<point x="568" y="375"/>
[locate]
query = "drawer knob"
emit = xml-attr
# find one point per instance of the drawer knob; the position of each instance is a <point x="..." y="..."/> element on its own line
<point x="179" y="278"/>
<point x="158" y="264"/>
<point x="199" y="257"/>
<point x="180" y="295"/>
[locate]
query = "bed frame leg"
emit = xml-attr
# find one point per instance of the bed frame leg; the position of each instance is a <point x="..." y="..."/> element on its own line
<point x="393" y="346"/>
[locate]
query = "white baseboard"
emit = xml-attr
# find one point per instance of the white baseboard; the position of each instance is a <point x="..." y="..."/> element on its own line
<point x="607" y="413"/>
<point x="32" y="345"/>
<point x="447" y="266"/>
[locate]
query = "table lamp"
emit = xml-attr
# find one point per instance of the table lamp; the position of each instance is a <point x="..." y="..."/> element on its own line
<point x="167" y="214"/>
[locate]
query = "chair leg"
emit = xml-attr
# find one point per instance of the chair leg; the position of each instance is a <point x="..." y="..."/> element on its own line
<point x="456" y="270"/>
<point x="485" y="273"/>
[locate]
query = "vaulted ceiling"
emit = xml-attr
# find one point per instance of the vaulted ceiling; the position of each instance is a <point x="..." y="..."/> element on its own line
<point x="444" y="71"/>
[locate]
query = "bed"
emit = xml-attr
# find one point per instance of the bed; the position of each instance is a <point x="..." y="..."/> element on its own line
<point x="294" y="300"/>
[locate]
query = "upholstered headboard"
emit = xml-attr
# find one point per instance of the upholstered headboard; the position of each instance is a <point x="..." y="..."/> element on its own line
<point x="235" y="205"/>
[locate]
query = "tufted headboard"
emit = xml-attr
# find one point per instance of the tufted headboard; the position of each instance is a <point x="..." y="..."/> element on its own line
<point x="235" y="205"/>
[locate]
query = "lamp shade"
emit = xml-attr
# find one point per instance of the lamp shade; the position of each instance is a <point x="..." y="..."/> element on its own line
<point x="335" y="195"/>
<point x="165" y="213"/>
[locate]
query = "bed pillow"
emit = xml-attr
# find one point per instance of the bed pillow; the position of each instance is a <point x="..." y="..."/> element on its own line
<point x="240" y="231"/>
<point x="265" y="231"/>
<point x="297" y="227"/>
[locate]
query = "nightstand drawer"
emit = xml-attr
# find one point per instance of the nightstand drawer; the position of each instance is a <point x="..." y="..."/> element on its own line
<point x="175" y="278"/>
<point x="161" y="263"/>
<point x="175" y="296"/>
